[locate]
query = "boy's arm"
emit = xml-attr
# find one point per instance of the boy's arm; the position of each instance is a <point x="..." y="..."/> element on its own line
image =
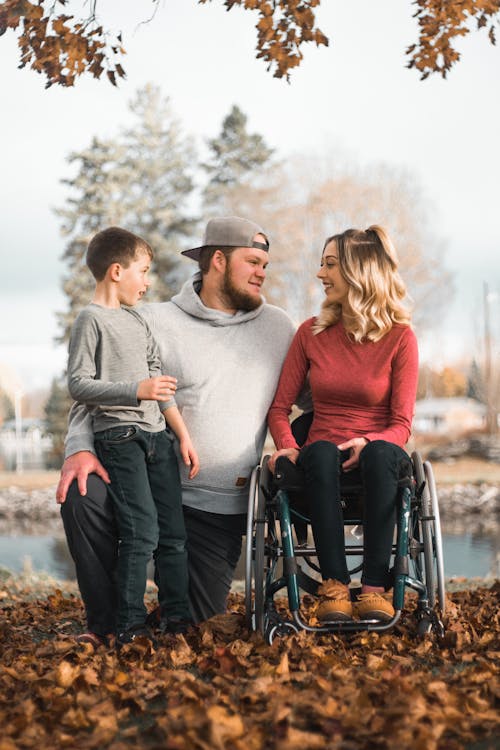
<point x="155" y="368"/>
<point x="82" y="369"/>
<point x="177" y="425"/>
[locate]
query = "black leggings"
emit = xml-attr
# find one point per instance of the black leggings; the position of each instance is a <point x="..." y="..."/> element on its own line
<point x="379" y="466"/>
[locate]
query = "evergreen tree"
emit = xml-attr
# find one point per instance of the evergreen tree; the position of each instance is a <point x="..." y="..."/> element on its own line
<point x="235" y="156"/>
<point x="475" y="382"/>
<point x="94" y="202"/>
<point x="56" y="419"/>
<point x="6" y="407"/>
<point x="157" y="171"/>
<point x="141" y="181"/>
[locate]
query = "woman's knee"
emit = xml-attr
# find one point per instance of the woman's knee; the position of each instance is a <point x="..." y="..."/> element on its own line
<point x="380" y="456"/>
<point x="320" y="455"/>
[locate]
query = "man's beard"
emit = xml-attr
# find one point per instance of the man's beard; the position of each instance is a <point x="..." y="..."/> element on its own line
<point x="237" y="299"/>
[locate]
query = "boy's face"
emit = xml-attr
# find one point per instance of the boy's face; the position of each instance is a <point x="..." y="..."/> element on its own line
<point x="134" y="280"/>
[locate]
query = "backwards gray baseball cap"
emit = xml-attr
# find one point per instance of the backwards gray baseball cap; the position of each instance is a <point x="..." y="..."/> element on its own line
<point x="229" y="231"/>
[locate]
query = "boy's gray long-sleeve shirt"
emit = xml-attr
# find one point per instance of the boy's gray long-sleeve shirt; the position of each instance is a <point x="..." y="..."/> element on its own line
<point x="227" y="368"/>
<point x="110" y="351"/>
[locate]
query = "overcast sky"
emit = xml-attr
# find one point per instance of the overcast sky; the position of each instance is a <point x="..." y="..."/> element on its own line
<point x="355" y="97"/>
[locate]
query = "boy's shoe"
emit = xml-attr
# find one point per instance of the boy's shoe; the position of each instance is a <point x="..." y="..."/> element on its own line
<point x="335" y="604"/>
<point x="135" y="634"/>
<point x="374" y="606"/>
<point x="175" y="625"/>
<point x="153" y="618"/>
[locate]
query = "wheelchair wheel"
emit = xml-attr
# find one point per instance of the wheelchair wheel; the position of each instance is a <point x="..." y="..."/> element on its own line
<point x="437" y="538"/>
<point x="430" y="533"/>
<point x="259" y="569"/>
<point x="249" y="549"/>
<point x="255" y="573"/>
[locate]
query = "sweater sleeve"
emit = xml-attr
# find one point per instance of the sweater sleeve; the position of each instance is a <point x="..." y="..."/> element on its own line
<point x="291" y="382"/>
<point x="154" y="364"/>
<point x="403" y="392"/>
<point x="80" y="435"/>
<point x="82" y="383"/>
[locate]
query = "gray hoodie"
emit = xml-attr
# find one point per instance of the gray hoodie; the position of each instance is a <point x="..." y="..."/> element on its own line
<point x="227" y="368"/>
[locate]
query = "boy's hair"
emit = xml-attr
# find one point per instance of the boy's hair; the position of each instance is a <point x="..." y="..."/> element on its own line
<point x="114" y="245"/>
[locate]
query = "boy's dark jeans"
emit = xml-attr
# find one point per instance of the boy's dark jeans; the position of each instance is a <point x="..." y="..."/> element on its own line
<point x="379" y="467"/>
<point x="146" y="493"/>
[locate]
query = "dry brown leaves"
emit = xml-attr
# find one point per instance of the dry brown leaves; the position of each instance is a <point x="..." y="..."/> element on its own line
<point x="222" y="687"/>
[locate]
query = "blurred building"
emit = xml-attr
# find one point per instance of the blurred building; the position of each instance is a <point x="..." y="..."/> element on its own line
<point x="448" y="416"/>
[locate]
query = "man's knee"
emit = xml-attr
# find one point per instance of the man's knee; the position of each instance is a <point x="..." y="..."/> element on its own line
<point x="78" y="507"/>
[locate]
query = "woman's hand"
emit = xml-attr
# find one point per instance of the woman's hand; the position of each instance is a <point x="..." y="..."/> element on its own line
<point x="291" y="453"/>
<point x="355" y="446"/>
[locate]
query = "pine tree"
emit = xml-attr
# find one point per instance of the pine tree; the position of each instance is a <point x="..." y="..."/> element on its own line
<point x="141" y="181"/>
<point x="56" y="419"/>
<point x="235" y="156"/>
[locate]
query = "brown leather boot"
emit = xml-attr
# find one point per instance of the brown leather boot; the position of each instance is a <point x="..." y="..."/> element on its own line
<point x="335" y="602"/>
<point x="374" y="606"/>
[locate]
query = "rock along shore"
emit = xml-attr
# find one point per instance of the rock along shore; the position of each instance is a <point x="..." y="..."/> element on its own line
<point x="27" y="510"/>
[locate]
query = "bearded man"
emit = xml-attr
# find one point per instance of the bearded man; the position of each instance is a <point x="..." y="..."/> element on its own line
<point x="223" y="347"/>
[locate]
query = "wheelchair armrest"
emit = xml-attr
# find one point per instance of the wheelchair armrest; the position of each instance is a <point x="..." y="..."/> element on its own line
<point x="288" y="476"/>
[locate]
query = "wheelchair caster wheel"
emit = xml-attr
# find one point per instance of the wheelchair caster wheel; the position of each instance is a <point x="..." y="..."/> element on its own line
<point x="424" y="626"/>
<point x="280" y="630"/>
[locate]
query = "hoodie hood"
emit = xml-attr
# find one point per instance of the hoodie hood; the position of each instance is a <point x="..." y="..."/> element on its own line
<point x="188" y="300"/>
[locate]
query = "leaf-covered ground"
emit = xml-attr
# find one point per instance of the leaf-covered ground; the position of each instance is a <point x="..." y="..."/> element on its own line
<point x="223" y="688"/>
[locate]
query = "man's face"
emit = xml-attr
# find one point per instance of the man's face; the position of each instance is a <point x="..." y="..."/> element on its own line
<point x="243" y="277"/>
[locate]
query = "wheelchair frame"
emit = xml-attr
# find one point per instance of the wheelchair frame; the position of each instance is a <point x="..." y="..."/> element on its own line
<point x="417" y="556"/>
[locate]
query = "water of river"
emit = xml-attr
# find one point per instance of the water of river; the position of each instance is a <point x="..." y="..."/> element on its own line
<point x="466" y="553"/>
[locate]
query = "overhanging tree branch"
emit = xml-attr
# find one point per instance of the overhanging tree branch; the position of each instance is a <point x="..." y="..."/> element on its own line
<point x="63" y="47"/>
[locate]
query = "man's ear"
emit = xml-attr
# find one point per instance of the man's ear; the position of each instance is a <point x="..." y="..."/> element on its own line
<point x="219" y="261"/>
<point x="115" y="272"/>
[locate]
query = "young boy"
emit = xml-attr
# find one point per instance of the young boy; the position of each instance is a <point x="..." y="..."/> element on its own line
<point x="114" y="368"/>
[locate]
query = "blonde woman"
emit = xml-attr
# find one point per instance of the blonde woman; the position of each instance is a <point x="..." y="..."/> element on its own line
<point x="361" y="357"/>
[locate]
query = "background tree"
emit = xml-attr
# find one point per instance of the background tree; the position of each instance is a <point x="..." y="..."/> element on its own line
<point x="235" y="156"/>
<point x="6" y="406"/>
<point x="141" y="180"/>
<point x="56" y="420"/>
<point x="63" y="46"/>
<point x="305" y="201"/>
<point x="448" y="382"/>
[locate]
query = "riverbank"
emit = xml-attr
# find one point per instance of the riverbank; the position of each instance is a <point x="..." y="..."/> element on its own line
<point x="467" y="488"/>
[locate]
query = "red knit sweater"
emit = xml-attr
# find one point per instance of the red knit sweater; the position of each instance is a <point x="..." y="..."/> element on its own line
<point x="363" y="389"/>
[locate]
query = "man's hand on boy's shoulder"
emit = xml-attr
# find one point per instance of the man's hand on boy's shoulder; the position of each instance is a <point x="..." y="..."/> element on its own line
<point x="79" y="466"/>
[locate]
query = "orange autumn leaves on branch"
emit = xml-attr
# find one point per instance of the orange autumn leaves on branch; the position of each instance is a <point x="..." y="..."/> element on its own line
<point x="62" y="47"/>
<point x="441" y="24"/>
<point x="283" y="26"/>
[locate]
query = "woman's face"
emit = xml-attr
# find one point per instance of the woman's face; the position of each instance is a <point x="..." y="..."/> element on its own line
<point x="334" y="284"/>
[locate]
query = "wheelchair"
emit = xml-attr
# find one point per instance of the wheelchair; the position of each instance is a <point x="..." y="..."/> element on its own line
<point x="280" y="557"/>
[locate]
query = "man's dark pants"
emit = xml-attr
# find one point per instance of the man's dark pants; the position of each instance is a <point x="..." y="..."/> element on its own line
<point x="213" y="547"/>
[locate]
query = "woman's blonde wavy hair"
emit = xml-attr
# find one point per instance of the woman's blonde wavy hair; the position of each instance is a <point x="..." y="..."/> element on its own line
<point x="368" y="262"/>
